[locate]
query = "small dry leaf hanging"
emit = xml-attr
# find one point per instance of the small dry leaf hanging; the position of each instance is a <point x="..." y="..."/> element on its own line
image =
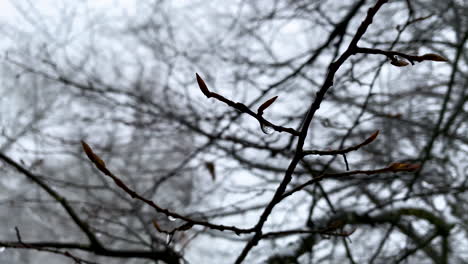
<point x="266" y="104"/>
<point x="210" y="166"/>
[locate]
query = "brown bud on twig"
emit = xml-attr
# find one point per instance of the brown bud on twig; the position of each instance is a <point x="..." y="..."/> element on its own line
<point x="404" y="167"/>
<point x="156" y="225"/>
<point x="203" y="86"/>
<point x="397" y="115"/>
<point x="336" y="224"/>
<point x="399" y="63"/>
<point x="433" y="57"/>
<point x="87" y="149"/>
<point x="265" y="105"/>
<point x="185" y="227"/>
<point x="98" y="162"/>
<point x="371" y="138"/>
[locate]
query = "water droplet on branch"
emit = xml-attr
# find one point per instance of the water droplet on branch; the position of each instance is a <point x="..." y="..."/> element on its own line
<point x="267" y="129"/>
<point x="168" y="239"/>
<point x="172" y="219"/>
<point x="2" y="249"/>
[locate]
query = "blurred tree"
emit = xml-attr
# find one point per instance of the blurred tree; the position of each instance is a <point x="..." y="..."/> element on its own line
<point x="293" y="182"/>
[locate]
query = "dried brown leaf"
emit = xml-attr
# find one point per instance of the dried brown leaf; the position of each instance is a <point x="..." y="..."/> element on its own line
<point x="210" y="166"/>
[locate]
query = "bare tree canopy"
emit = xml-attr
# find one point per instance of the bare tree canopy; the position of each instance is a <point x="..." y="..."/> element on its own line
<point x="281" y="131"/>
